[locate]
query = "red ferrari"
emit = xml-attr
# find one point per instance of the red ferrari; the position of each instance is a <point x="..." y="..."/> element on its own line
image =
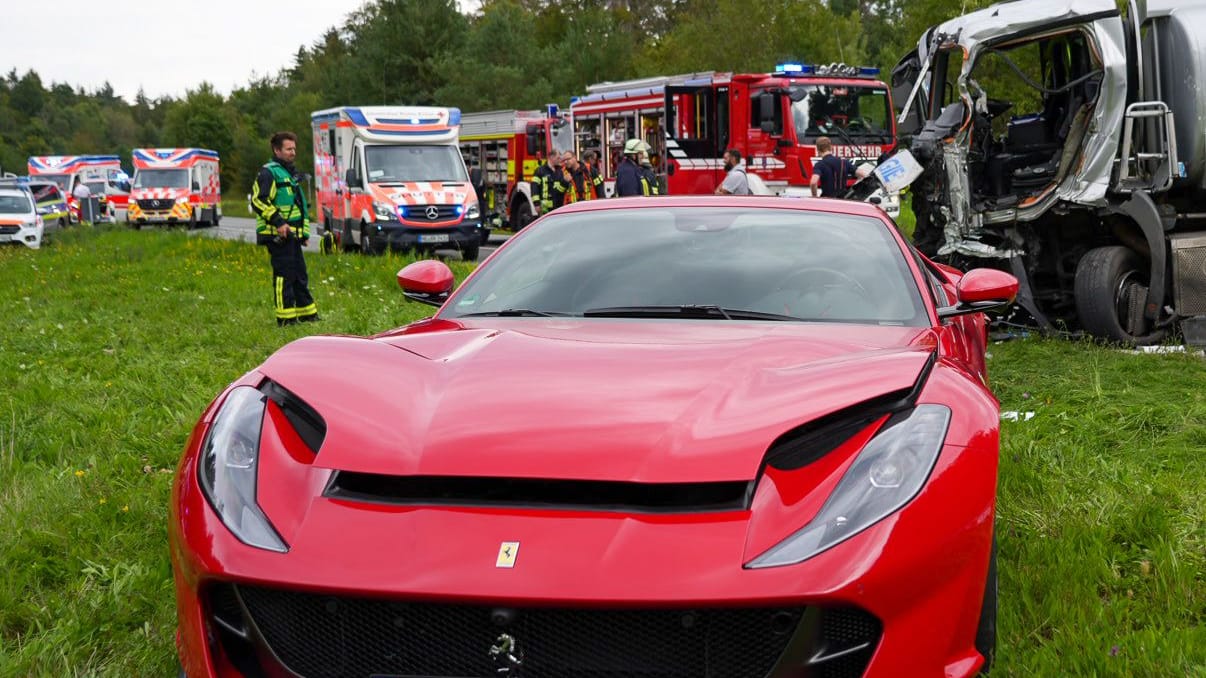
<point x="657" y="438"/>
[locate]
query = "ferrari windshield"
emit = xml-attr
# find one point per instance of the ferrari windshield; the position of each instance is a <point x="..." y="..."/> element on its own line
<point x="861" y="113"/>
<point x="701" y="263"/>
<point x="414" y="163"/>
<point x="161" y="178"/>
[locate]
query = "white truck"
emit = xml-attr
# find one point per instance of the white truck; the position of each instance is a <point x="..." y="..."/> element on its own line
<point x="1066" y="141"/>
<point x="393" y="177"/>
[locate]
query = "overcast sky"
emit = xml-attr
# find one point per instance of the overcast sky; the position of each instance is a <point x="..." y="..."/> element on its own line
<point x="163" y="46"/>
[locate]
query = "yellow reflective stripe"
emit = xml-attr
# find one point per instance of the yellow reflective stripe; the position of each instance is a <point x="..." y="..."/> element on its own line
<point x="306" y="310"/>
<point x="279" y="297"/>
<point x="265" y="209"/>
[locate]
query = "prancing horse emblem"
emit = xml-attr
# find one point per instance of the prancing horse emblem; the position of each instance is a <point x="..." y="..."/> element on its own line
<point x="507" y="554"/>
<point x="507" y="656"/>
<point x="433" y="212"/>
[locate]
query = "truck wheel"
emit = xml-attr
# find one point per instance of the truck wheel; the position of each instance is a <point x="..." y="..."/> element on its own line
<point x="346" y="244"/>
<point x="192" y="219"/>
<point x="1111" y="290"/>
<point x="366" y="245"/>
<point x="470" y="252"/>
<point x="521" y="216"/>
<point x="217" y="216"/>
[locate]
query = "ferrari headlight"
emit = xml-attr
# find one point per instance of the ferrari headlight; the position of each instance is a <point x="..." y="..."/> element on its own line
<point x="385" y="211"/>
<point x="227" y="468"/>
<point x="474" y="212"/>
<point x="885" y="476"/>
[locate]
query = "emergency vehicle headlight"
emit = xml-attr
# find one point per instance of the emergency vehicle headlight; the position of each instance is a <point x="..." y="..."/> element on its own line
<point x="181" y="200"/>
<point x="473" y="212"/>
<point x="384" y="210"/>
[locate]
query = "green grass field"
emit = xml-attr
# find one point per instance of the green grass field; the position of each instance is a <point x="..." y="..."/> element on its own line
<point x="114" y="341"/>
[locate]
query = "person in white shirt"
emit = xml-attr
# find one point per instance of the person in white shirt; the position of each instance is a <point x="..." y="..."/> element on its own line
<point x="736" y="182"/>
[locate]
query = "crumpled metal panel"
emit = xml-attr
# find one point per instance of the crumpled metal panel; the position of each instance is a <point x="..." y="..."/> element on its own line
<point x="974" y="32"/>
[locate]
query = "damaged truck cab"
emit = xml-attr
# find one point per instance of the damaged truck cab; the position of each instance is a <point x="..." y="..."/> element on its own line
<point x="1067" y="141"/>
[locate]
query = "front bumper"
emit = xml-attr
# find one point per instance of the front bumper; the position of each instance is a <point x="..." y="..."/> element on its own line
<point x="177" y="213"/>
<point x="907" y="591"/>
<point x="398" y="236"/>
<point x="29" y="236"/>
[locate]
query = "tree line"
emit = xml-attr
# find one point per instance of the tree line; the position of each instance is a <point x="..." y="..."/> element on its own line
<point x="508" y="54"/>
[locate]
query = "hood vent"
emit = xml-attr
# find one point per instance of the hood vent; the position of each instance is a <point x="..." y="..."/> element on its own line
<point x="573" y="495"/>
<point x="306" y="420"/>
<point x="805" y="444"/>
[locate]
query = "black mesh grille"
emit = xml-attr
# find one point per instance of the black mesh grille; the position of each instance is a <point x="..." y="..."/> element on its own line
<point x="420" y="212"/>
<point x="843" y="629"/>
<point x="317" y="635"/>
<point x="156" y="203"/>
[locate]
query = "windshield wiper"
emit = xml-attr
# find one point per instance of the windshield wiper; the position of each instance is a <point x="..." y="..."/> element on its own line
<point x="515" y="313"/>
<point x="683" y="311"/>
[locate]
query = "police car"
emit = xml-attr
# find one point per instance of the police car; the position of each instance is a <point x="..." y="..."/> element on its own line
<point x="50" y="202"/>
<point x="20" y="222"/>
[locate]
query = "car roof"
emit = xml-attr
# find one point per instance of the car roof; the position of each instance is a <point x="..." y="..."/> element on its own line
<point x="7" y="190"/>
<point x="829" y="205"/>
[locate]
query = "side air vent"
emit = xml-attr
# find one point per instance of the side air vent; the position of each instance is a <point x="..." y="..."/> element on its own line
<point x="588" y="495"/>
<point x="306" y="421"/>
<point x="805" y="444"/>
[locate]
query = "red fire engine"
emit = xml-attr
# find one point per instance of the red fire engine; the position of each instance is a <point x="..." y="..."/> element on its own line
<point x="508" y="146"/>
<point x="773" y="119"/>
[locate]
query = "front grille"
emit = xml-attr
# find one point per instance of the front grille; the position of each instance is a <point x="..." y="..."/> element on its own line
<point x="318" y="635"/>
<point x="156" y="203"/>
<point x="848" y="638"/>
<point x="590" y="495"/>
<point x="419" y="212"/>
<point x="9" y="230"/>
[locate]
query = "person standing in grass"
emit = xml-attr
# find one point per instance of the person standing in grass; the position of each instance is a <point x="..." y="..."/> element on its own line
<point x="282" y="224"/>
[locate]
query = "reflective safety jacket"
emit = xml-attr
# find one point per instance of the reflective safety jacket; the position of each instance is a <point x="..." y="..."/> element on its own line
<point x="277" y="199"/>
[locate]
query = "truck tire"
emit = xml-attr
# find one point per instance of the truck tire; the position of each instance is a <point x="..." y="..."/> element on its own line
<point x="1111" y="289"/>
<point x="217" y="216"/>
<point x="346" y="243"/>
<point x="366" y="244"/>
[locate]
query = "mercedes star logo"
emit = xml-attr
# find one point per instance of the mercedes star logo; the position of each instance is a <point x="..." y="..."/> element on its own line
<point x="433" y="212"/>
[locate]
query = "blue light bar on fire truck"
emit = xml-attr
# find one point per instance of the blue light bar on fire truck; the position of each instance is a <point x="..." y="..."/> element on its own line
<point x="831" y="70"/>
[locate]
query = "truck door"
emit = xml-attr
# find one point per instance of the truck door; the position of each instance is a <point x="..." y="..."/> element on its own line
<point x="697" y="121"/>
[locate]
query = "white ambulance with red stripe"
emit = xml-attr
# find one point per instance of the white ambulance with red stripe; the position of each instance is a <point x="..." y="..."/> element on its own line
<point x="175" y="186"/>
<point x="102" y="174"/>
<point x="392" y="177"/>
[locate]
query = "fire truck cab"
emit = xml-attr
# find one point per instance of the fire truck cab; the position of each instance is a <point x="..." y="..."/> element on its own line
<point x="773" y="119"/>
<point x="102" y="174"/>
<point x="393" y="177"/>
<point x="507" y="147"/>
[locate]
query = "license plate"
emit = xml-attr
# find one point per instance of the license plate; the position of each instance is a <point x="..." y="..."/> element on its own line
<point x="433" y="237"/>
<point x="5" y="237"/>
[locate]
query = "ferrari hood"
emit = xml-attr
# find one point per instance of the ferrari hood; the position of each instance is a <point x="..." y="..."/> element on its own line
<point x="650" y="402"/>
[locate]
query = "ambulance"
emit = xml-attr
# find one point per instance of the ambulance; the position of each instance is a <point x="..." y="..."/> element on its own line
<point x="175" y="186"/>
<point x="392" y="177"/>
<point x="102" y="174"/>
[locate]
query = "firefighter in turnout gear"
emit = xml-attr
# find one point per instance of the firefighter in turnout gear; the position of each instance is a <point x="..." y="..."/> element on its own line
<point x="542" y="183"/>
<point x="649" y="185"/>
<point x="588" y="177"/>
<point x="282" y="224"/>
